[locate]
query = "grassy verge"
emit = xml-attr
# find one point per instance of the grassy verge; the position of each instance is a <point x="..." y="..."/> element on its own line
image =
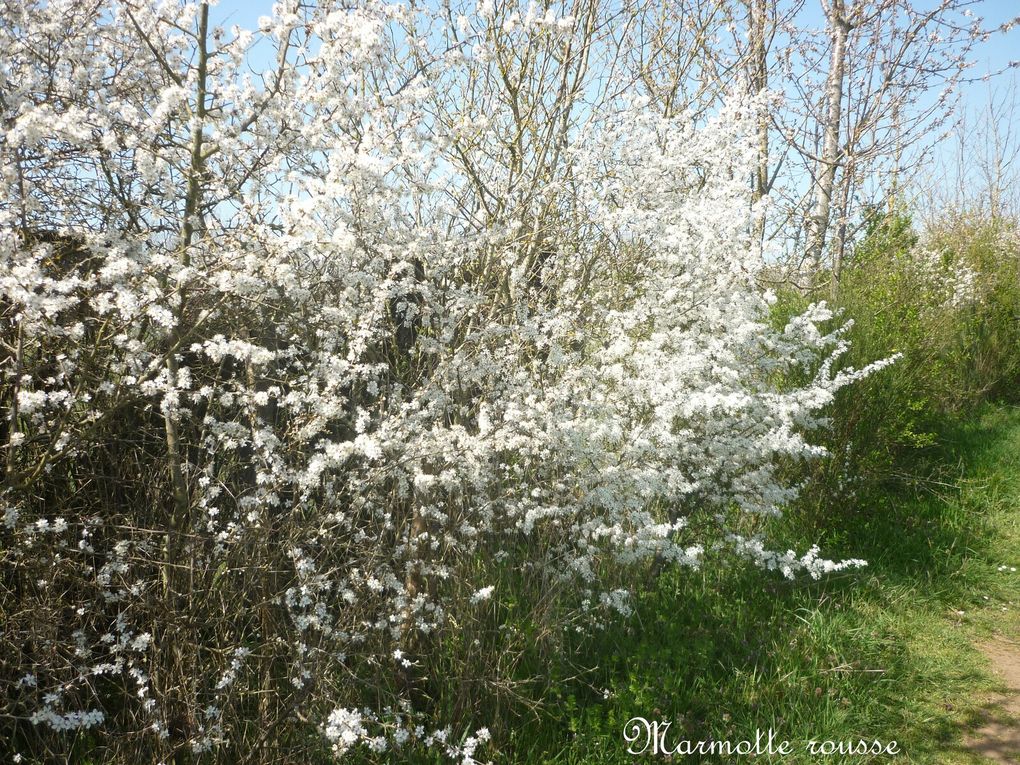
<point x="887" y="653"/>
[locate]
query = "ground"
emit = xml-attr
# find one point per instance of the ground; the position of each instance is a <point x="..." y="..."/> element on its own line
<point x="998" y="739"/>
<point x="921" y="647"/>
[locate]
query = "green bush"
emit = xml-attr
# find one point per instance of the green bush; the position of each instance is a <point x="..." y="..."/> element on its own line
<point x="949" y="303"/>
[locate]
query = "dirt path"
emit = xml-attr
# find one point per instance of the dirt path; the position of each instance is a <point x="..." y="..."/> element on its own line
<point x="999" y="738"/>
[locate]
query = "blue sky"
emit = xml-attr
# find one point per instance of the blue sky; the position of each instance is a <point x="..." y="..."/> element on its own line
<point x="992" y="57"/>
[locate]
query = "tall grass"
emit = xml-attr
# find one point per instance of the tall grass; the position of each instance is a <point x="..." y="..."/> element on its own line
<point x="921" y="482"/>
<point x="948" y="303"/>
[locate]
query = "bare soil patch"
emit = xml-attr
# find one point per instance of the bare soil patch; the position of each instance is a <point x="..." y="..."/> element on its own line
<point x="999" y="738"/>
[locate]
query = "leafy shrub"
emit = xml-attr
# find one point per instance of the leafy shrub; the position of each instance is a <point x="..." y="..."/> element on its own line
<point x="948" y="302"/>
<point x="310" y="394"/>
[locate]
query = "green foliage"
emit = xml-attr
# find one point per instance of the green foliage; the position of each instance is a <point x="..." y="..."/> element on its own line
<point x="887" y="654"/>
<point x="950" y="306"/>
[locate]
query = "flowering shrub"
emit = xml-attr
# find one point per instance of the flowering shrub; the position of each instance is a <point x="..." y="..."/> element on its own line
<point x="945" y="300"/>
<point x="308" y="372"/>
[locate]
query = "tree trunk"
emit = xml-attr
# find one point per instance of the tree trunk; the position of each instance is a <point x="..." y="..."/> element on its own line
<point x="757" y="67"/>
<point x="841" y="234"/>
<point x="828" y="161"/>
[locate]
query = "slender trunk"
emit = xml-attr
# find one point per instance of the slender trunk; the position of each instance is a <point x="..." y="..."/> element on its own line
<point x="192" y="205"/>
<point x="12" y="413"/>
<point x="758" y="75"/>
<point x="11" y="426"/>
<point x="828" y="160"/>
<point x="178" y="578"/>
<point x="894" y="187"/>
<point x="840" y="245"/>
<point x="408" y="677"/>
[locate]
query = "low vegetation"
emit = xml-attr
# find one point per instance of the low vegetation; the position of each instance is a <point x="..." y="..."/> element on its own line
<point x="457" y="381"/>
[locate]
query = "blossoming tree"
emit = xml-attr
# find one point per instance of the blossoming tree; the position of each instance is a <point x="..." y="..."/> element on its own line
<point x="322" y="342"/>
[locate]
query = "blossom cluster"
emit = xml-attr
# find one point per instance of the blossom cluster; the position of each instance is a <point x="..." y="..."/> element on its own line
<point x="308" y="370"/>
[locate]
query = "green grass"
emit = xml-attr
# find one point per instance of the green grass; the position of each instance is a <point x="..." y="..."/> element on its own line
<point x="885" y="653"/>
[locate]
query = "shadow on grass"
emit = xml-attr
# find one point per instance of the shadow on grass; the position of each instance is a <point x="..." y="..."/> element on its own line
<point x="994" y="735"/>
<point x="879" y="654"/>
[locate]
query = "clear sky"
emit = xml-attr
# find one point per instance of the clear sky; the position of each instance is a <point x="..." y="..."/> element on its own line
<point x="993" y="55"/>
<point x="992" y="70"/>
<point x="990" y="57"/>
<point x="996" y="54"/>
